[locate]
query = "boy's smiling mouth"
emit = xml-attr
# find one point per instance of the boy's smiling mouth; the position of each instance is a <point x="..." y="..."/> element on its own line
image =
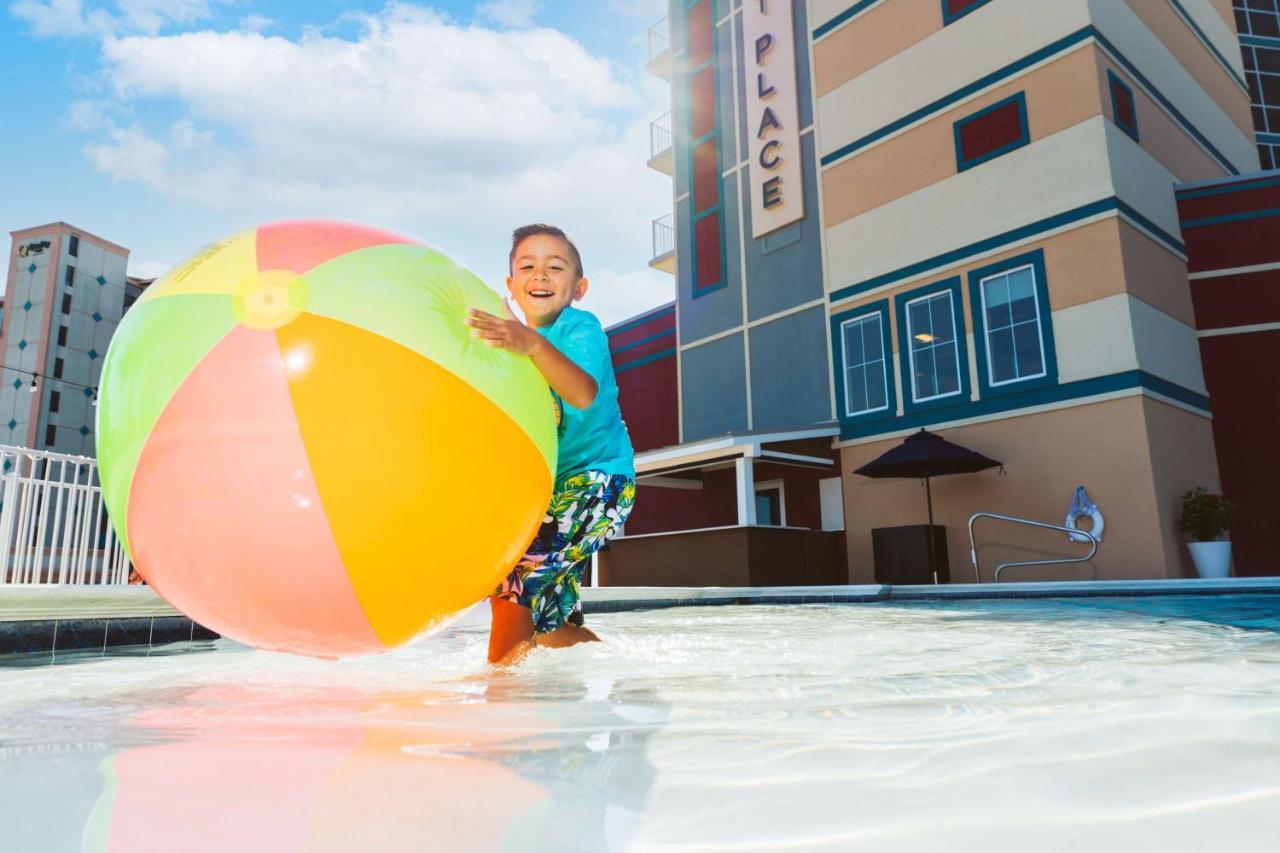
<point x="541" y="294"/>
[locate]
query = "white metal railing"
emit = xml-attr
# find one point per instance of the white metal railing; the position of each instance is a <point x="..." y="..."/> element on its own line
<point x="659" y="135"/>
<point x="659" y="40"/>
<point x="664" y="235"/>
<point x="53" y="523"/>
<point x="1043" y="525"/>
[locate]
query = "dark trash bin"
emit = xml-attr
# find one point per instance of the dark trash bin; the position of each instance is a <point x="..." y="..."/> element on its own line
<point x="902" y="554"/>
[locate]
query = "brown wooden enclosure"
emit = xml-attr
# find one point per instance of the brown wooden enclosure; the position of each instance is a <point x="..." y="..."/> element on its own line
<point x="728" y="556"/>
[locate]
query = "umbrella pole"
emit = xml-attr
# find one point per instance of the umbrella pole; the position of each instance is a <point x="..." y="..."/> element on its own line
<point x="928" y="492"/>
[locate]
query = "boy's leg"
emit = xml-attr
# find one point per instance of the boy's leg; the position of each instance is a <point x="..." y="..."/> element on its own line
<point x="511" y="635"/>
<point x="543" y="589"/>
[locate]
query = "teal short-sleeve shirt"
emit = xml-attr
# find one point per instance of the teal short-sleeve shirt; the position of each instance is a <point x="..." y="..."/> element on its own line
<point x="594" y="438"/>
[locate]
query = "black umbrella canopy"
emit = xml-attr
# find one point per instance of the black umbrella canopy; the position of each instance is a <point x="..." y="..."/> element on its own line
<point x="926" y="455"/>
<point x="922" y="456"/>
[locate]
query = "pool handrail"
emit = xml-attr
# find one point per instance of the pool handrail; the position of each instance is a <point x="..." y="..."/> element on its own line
<point x="973" y="548"/>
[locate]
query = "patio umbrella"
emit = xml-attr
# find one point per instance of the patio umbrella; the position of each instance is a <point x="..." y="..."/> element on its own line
<point x="926" y="455"/>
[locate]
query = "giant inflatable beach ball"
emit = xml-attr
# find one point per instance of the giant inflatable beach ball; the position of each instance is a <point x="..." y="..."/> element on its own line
<point x="303" y="448"/>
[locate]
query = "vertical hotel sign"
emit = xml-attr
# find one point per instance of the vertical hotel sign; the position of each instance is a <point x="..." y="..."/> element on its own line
<point x="777" y="193"/>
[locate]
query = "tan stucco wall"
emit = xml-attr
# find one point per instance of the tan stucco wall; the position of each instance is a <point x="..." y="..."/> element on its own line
<point x="1134" y="455"/>
<point x="1161" y="18"/>
<point x="883" y="32"/>
<point x="1177" y="439"/>
<point x="1058" y="95"/>
<point x="1088" y="263"/>
<point x="1159" y="134"/>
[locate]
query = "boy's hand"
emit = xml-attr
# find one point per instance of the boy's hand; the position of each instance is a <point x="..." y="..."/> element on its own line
<point x="505" y="332"/>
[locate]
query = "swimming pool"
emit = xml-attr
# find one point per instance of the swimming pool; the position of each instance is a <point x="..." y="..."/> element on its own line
<point x="1047" y="724"/>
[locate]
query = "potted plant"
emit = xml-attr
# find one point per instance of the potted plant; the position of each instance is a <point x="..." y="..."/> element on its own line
<point x="1206" y="518"/>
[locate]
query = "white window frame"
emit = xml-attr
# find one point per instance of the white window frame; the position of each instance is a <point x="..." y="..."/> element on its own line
<point x="986" y="328"/>
<point x="846" y="367"/>
<point x="955" y="345"/>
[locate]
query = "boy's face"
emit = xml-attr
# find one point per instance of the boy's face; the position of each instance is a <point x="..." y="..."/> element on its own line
<point x="542" y="280"/>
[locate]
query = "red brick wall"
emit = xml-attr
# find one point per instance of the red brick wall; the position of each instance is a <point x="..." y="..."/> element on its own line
<point x="644" y="362"/>
<point x="1241" y="369"/>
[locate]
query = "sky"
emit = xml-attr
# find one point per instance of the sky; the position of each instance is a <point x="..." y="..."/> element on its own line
<point x="163" y="125"/>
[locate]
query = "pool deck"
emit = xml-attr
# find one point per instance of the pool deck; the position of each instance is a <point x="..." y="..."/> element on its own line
<point x="38" y="621"/>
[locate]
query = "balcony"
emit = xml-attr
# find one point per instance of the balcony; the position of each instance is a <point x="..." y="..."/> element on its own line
<point x="660" y="151"/>
<point x="659" y="63"/>
<point x="664" y="244"/>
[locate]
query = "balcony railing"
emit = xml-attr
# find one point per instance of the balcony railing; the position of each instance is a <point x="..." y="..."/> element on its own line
<point x="659" y="40"/>
<point x="53" y="524"/>
<point x="664" y="235"/>
<point x="659" y="136"/>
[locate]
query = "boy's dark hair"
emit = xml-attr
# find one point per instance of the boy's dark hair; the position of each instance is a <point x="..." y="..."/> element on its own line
<point x="519" y="235"/>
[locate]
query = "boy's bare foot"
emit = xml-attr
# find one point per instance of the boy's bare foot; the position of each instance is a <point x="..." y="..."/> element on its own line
<point x="566" y="635"/>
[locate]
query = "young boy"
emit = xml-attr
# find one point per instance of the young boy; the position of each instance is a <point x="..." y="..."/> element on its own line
<point x="595" y="478"/>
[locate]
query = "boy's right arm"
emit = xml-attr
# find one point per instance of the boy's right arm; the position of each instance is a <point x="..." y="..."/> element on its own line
<point x="573" y="384"/>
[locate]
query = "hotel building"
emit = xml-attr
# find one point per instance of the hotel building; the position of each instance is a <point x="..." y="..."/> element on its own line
<point x="65" y="294"/>
<point x="957" y="215"/>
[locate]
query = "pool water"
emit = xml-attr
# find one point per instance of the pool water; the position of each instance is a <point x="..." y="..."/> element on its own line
<point x="1052" y="725"/>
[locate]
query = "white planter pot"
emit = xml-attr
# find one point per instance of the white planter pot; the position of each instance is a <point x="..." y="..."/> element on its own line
<point x="1212" y="559"/>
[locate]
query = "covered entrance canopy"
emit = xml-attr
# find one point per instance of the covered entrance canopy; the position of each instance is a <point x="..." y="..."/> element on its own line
<point x="682" y="466"/>
<point x="741" y="509"/>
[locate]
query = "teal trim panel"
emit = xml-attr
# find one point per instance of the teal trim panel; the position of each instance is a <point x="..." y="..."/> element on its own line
<point x="1079" y="390"/>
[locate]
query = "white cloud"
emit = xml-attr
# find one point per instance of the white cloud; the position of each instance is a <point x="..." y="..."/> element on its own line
<point x="66" y="18"/>
<point x="510" y="13"/>
<point x="54" y="18"/>
<point x="150" y="16"/>
<point x="256" y="23"/>
<point x="451" y="133"/>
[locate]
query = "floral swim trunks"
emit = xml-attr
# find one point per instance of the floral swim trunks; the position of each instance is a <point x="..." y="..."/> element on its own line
<point x="586" y="511"/>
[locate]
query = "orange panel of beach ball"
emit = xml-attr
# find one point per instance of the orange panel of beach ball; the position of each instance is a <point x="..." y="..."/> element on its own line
<point x="303" y="448"/>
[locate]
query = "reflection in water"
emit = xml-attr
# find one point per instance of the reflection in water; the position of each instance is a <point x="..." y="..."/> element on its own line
<point x="885" y="728"/>
<point x="500" y="762"/>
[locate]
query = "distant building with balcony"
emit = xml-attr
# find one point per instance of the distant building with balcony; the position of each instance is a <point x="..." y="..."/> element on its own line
<point x="65" y="294"/>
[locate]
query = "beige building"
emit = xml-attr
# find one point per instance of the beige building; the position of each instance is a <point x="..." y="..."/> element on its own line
<point x="956" y="215"/>
<point x="1012" y="170"/>
<point x="65" y="293"/>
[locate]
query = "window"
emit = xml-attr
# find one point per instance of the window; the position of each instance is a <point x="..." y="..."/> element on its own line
<point x="701" y="32"/>
<point x="50" y="435"/>
<point x="70" y="278"/>
<point x="62" y="336"/>
<point x="57" y="368"/>
<point x="931" y="343"/>
<point x="702" y="101"/>
<point x="704" y="163"/>
<point x="706" y="177"/>
<point x="770" y="511"/>
<point x="954" y="10"/>
<point x="1012" y="319"/>
<point x="866" y="385"/>
<point x="73" y="249"/>
<point x="1013" y="332"/>
<point x="1123" y="108"/>
<point x="1258" y="22"/>
<point x="66" y="303"/>
<point x="55" y="402"/>
<point x="988" y="133"/>
<point x="708" y="257"/>
<point x="1257" y="17"/>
